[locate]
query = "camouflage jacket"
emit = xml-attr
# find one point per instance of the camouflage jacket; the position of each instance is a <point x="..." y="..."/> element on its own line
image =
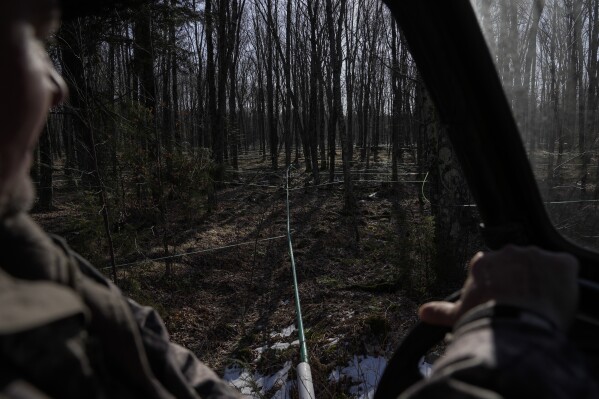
<point x="494" y="356"/>
<point x="67" y="332"/>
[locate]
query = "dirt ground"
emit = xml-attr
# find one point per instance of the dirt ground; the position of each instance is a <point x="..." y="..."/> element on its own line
<point x="231" y="287"/>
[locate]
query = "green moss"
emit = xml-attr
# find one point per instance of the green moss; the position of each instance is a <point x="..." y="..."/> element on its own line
<point x="329" y="281"/>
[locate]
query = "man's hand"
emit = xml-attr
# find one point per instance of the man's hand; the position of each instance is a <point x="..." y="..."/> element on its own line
<point x="527" y="277"/>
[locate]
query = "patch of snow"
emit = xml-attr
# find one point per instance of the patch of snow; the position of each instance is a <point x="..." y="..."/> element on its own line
<point x="286" y="332"/>
<point x="232" y="373"/>
<point x="261" y="349"/>
<point x="425" y="368"/>
<point x="278" y="378"/>
<point x="241" y="379"/>
<point x="259" y="352"/>
<point x="255" y="386"/>
<point x="332" y="341"/>
<point x="335" y="376"/>
<point x="364" y="373"/>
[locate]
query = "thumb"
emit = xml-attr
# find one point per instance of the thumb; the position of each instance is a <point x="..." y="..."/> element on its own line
<point x="439" y="313"/>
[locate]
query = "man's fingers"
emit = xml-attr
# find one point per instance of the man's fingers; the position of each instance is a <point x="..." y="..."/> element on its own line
<point x="439" y="313"/>
<point x="477" y="257"/>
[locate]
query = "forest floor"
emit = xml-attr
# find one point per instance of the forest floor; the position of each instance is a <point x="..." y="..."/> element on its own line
<point x="229" y="296"/>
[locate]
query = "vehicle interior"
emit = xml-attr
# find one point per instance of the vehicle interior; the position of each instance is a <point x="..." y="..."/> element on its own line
<point x="481" y="125"/>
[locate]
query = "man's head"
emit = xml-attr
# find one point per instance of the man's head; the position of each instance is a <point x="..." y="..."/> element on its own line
<point x="29" y="86"/>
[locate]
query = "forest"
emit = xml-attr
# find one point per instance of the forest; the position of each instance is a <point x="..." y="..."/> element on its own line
<point x="546" y="57"/>
<point x="167" y="165"/>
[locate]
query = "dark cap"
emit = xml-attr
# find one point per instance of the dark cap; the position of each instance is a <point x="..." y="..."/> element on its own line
<point x="83" y="8"/>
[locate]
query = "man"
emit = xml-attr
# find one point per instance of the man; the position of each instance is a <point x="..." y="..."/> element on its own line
<point x="66" y="332"/>
<point x="29" y="86"/>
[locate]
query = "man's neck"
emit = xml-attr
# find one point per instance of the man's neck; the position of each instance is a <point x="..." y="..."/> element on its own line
<point x="16" y="199"/>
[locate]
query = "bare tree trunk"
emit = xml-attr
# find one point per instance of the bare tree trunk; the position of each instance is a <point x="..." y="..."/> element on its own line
<point x="167" y="120"/>
<point x="313" y="6"/>
<point x="396" y="107"/>
<point x="212" y="114"/>
<point x="73" y="57"/>
<point x="288" y="122"/>
<point x="176" y="126"/>
<point x="220" y="133"/>
<point x="593" y="85"/>
<point x="529" y="101"/>
<point x="202" y="139"/>
<point x="270" y="88"/>
<point x="555" y="130"/>
<point x="350" y="75"/>
<point x="447" y="192"/>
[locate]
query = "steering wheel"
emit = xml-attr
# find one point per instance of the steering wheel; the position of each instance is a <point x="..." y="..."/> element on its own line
<point x="402" y="371"/>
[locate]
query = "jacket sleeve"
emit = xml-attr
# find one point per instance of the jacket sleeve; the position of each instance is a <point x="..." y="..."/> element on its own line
<point x="174" y="366"/>
<point x="506" y="353"/>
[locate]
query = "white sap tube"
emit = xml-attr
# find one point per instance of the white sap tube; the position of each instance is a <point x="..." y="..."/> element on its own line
<point x="304" y="381"/>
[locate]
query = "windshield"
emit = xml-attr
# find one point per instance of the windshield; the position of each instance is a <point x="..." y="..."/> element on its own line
<point x="545" y="52"/>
